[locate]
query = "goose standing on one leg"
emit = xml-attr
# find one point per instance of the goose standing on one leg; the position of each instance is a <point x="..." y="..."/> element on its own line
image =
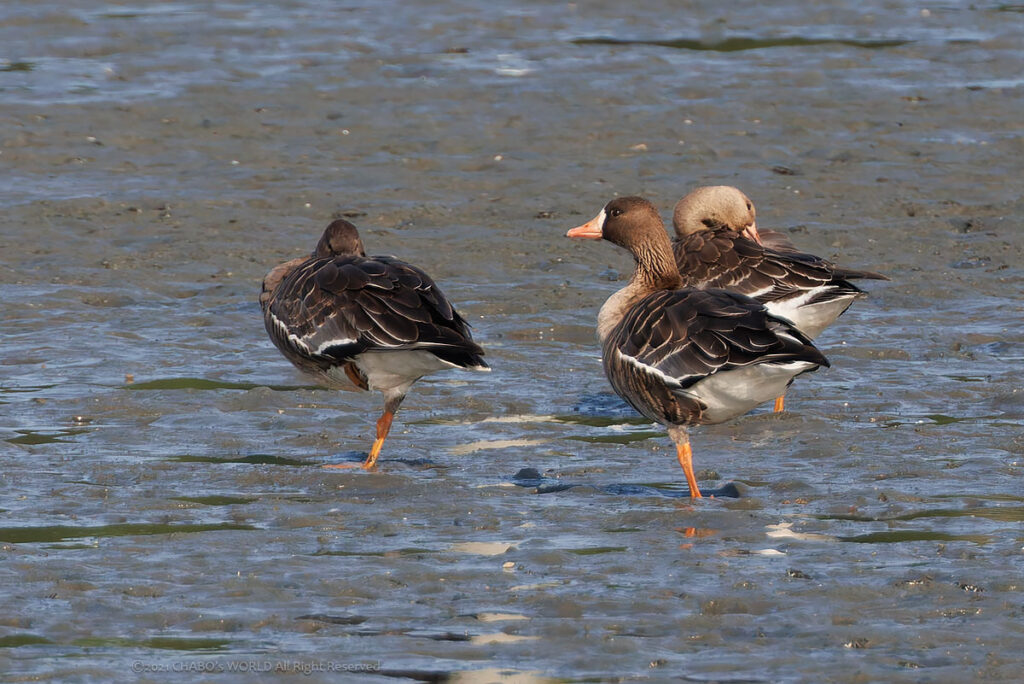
<point x="718" y="245"/>
<point x="374" y="323"/>
<point x="682" y="356"/>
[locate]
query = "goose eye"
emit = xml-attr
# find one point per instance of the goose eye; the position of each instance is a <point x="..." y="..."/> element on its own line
<point x="749" y="206"/>
<point x="615" y="212"/>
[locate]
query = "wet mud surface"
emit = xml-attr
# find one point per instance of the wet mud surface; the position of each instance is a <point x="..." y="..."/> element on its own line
<point x="163" y="503"/>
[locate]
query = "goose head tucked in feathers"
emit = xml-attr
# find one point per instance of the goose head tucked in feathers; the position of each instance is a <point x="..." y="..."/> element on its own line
<point x="340" y="238"/>
<point x="715" y="206"/>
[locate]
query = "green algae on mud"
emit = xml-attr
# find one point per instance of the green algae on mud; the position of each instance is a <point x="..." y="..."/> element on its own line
<point x="908" y="536"/>
<point x="205" y="384"/>
<point x="17" y="66"/>
<point x="161" y="643"/>
<point x="37" y="437"/>
<point x="252" y="459"/>
<point x="56" y="533"/>
<point x="216" y="500"/>
<point x="738" y="44"/>
<point x="16" y="640"/>
<point x="1004" y="514"/>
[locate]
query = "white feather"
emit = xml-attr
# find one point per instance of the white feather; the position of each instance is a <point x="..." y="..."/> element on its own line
<point x="396" y="371"/>
<point x="811" y="319"/>
<point x="732" y="393"/>
<point x="333" y="343"/>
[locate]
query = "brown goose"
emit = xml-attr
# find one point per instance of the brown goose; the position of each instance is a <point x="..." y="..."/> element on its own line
<point x="375" y="323"/>
<point x="718" y="245"/>
<point x="684" y="356"/>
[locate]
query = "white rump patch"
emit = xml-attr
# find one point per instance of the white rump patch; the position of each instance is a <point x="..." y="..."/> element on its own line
<point x="395" y="371"/>
<point x="732" y="393"/>
<point x="810" y="319"/>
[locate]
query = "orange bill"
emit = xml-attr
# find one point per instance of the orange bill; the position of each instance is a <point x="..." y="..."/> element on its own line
<point x="750" y="232"/>
<point x="590" y="230"/>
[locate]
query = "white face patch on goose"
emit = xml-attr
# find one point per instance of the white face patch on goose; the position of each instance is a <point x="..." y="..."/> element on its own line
<point x="600" y="219"/>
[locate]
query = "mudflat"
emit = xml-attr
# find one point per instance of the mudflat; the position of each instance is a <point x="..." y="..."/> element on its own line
<point x="164" y="508"/>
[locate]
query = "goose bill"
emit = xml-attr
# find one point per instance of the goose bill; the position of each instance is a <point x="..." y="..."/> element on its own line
<point x="750" y="232"/>
<point x="591" y="230"/>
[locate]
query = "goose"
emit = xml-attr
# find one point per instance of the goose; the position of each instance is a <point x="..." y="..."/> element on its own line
<point x="682" y="356"/>
<point x="365" y="322"/>
<point x="719" y="245"/>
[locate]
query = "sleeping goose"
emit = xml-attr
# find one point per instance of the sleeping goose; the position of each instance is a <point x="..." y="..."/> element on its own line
<point x="718" y="245"/>
<point x="682" y="356"/>
<point x="375" y="323"/>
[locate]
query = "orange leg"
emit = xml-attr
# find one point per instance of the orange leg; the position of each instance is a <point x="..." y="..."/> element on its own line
<point x="383" y="427"/>
<point x="780" y="404"/>
<point x="391" y="405"/>
<point x="681" y="439"/>
<point x="685" y="455"/>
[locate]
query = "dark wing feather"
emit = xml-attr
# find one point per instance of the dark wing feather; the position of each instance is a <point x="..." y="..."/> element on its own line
<point x="723" y="258"/>
<point x="329" y="309"/>
<point x="773" y="239"/>
<point x="674" y="338"/>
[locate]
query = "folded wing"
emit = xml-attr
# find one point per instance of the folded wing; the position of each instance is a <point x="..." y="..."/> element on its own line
<point x="331" y="309"/>
<point x="673" y="341"/>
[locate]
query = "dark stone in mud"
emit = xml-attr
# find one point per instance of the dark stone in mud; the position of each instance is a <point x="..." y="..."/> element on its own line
<point x="526" y="475"/>
<point x="728" y="491"/>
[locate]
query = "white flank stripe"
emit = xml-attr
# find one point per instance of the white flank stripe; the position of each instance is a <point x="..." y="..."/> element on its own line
<point x="796" y="366"/>
<point x="333" y="343"/>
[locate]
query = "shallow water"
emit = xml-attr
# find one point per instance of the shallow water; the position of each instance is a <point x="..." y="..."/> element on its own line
<point x="164" y="509"/>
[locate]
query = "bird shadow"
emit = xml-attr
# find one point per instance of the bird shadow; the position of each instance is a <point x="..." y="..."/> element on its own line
<point x="359" y="457"/>
<point x="531" y="478"/>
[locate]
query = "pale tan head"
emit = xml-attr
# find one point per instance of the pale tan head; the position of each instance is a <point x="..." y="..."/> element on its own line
<point x="715" y="206"/>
